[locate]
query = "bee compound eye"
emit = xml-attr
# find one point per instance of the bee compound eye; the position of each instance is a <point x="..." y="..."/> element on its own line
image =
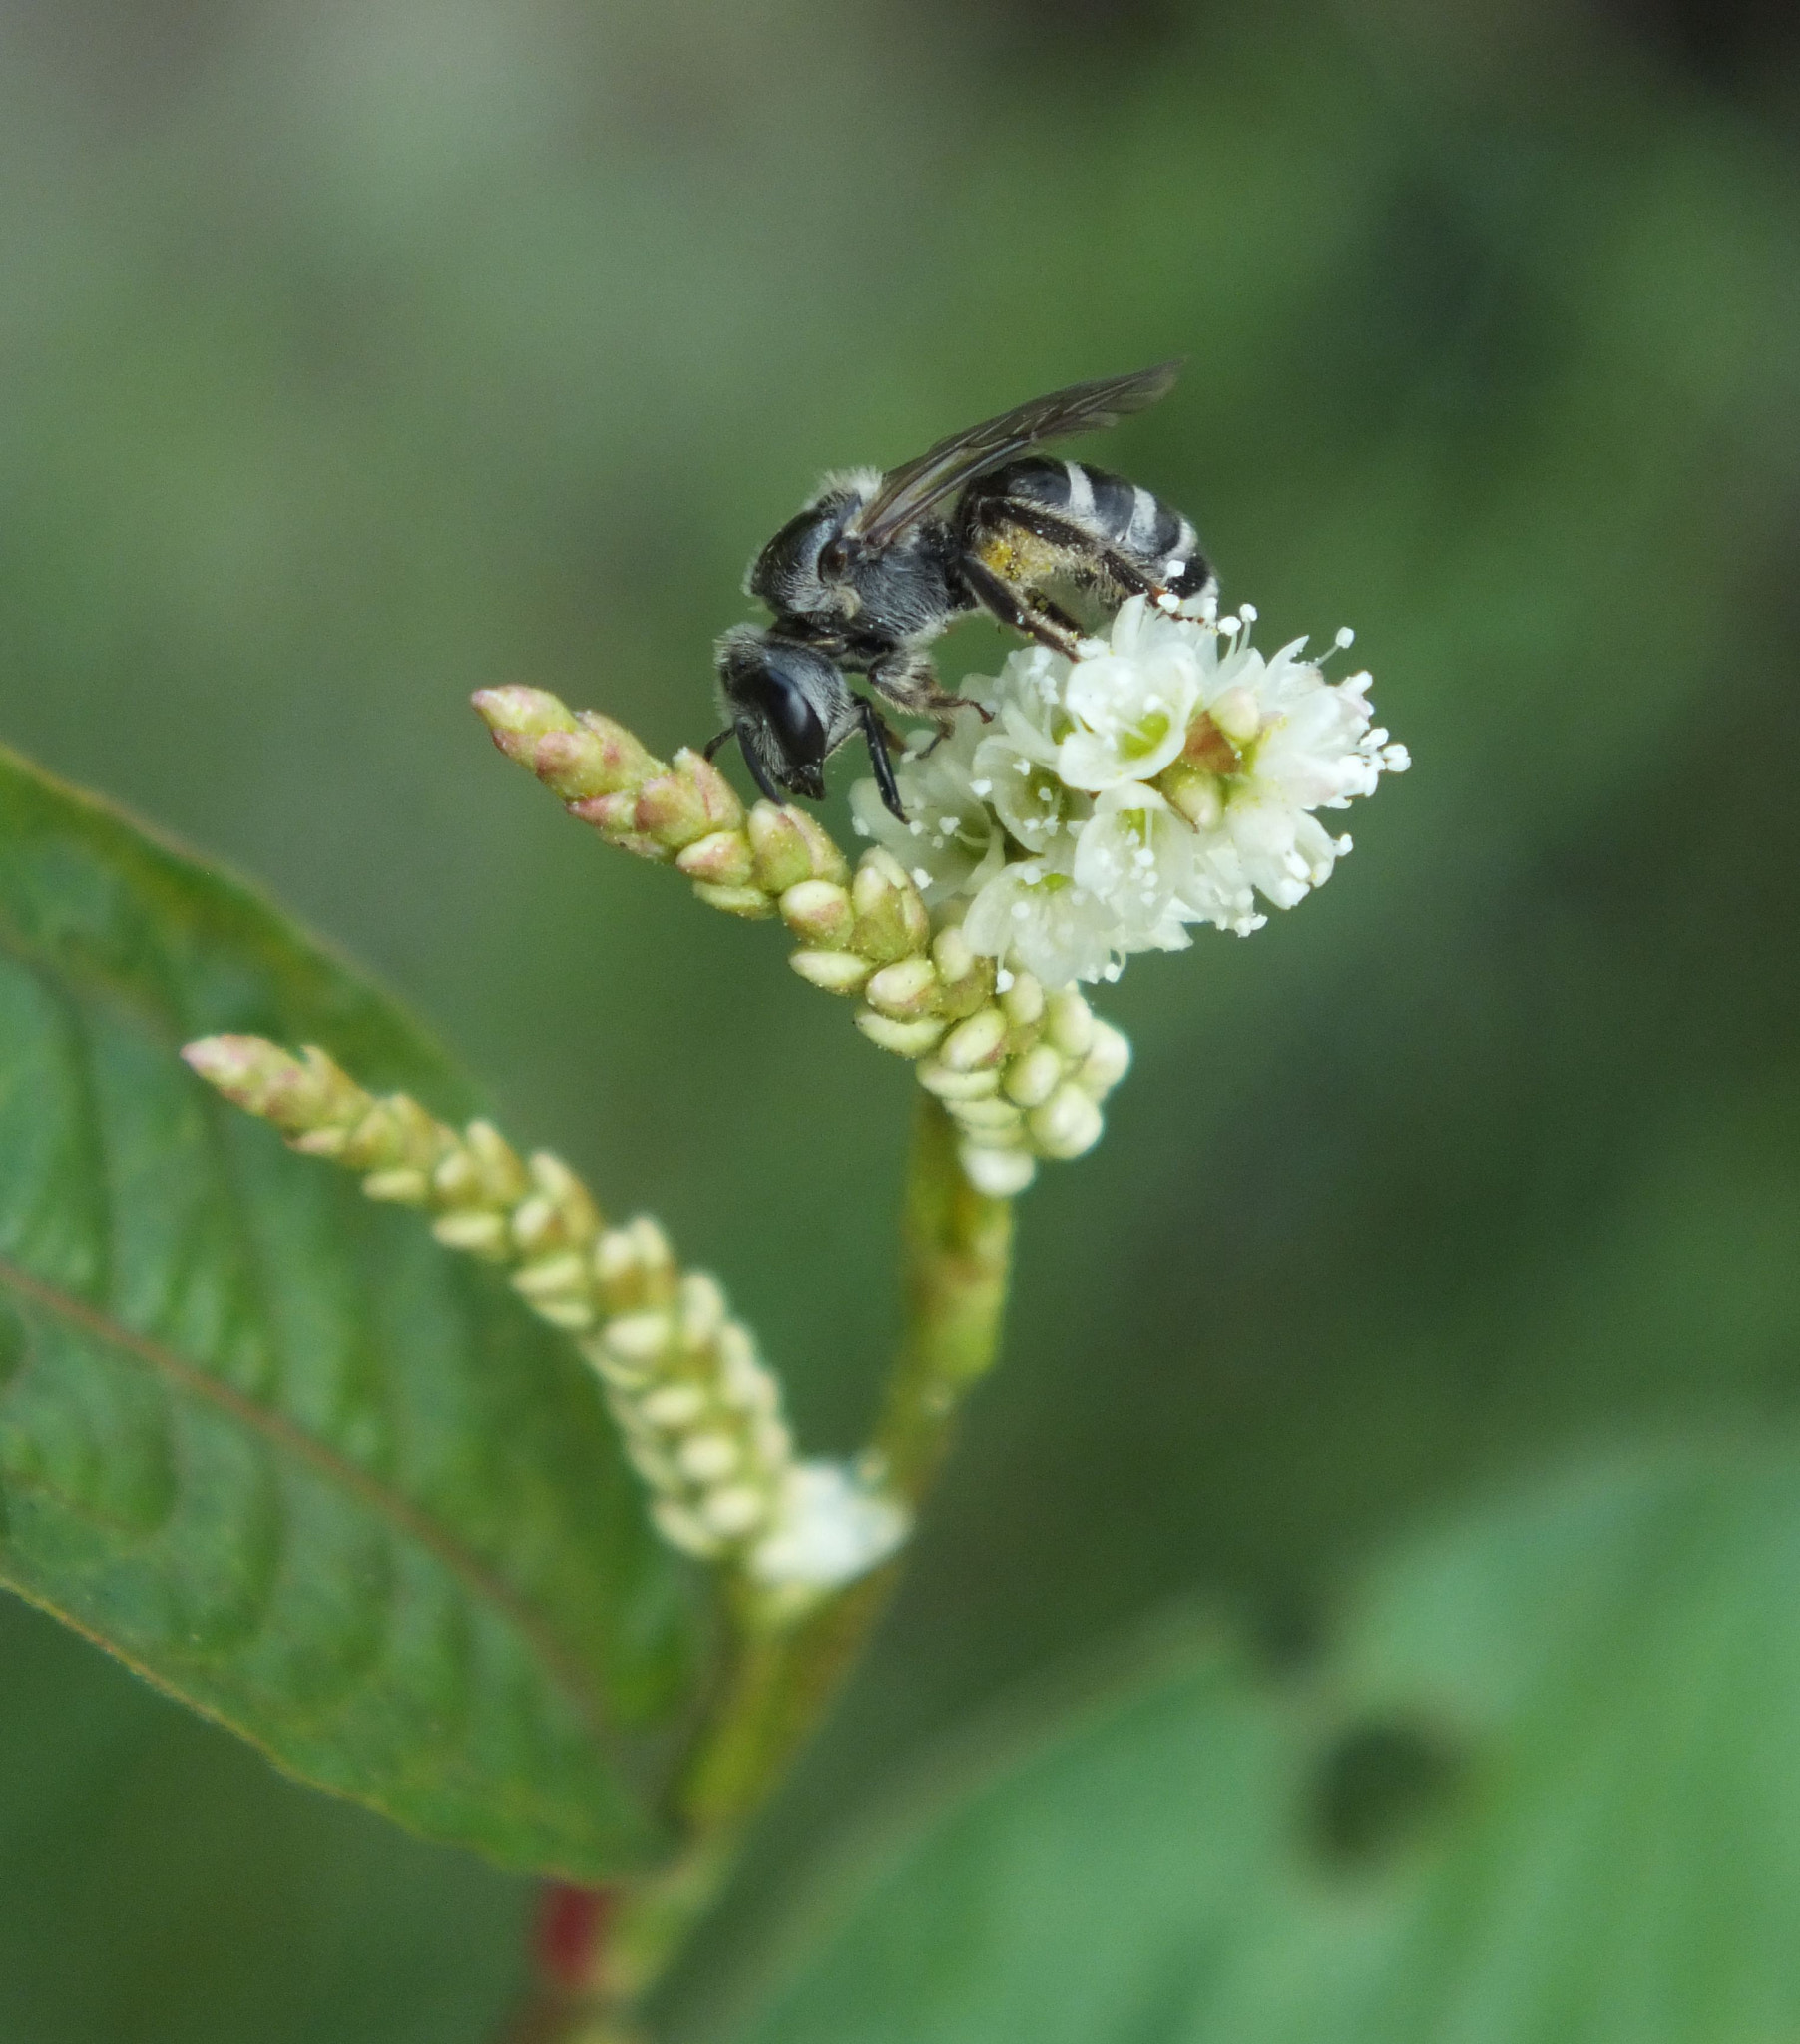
<point x="834" y="558"/>
<point x="794" y="718"/>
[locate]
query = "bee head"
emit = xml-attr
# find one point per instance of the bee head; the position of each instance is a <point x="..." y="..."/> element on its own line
<point x="789" y="706"/>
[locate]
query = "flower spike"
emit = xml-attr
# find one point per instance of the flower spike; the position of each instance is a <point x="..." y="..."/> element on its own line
<point x="699" y="1411"/>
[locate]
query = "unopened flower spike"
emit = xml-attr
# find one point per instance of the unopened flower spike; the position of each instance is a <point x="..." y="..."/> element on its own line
<point x="699" y="1411"/>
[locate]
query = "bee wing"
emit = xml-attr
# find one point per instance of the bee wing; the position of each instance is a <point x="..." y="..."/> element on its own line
<point x="908" y="492"/>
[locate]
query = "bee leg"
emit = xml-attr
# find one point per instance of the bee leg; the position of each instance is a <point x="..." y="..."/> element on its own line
<point x="910" y="683"/>
<point x="1035" y="616"/>
<point x="758" y="772"/>
<point x="879" y="737"/>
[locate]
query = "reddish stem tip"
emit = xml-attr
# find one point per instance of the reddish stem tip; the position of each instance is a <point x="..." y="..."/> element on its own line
<point x="572" y="1926"/>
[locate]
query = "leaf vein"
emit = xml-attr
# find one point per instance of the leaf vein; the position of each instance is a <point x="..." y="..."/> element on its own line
<point x="475" y="1574"/>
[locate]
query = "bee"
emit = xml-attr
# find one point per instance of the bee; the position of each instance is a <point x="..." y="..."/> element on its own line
<point x="876" y="566"/>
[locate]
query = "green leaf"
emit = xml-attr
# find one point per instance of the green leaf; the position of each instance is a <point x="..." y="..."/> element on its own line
<point x="1544" y="1787"/>
<point x="265" y="1441"/>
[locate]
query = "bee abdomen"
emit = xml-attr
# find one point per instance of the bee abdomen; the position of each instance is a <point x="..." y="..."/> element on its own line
<point x="1109" y="509"/>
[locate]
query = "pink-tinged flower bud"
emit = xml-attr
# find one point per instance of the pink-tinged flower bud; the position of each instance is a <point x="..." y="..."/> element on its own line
<point x="821" y="913"/>
<point x="721" y="860"/>
<point x="783" y="849"/>
<point x="905" y="991"/>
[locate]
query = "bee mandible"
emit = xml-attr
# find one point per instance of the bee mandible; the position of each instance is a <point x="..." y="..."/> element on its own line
<point x="868" y="573"/>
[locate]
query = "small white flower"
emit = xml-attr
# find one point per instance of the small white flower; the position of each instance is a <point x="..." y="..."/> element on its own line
<point x="1130" y="704"/>
<point x="1284" y="742"/>
<point x="1138" y="857"/>
<point x="1016" y="764"/>
<point x="951" y="843"/>
<point x="1218" y="890"/>
<point x="1037" y="917"/>
<point x="829" y="1528"/>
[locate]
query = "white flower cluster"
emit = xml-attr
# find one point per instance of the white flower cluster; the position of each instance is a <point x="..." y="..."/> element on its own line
<point x="701" y="1419"/>
<point x="1168" y="776"/>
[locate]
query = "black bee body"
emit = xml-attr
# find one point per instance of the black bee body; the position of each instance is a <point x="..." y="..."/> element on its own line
<point x="867" y="607"/>
<point x="876" y="566"/>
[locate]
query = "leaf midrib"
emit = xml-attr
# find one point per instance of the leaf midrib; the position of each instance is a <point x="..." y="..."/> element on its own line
<point x="282" y="1433"/>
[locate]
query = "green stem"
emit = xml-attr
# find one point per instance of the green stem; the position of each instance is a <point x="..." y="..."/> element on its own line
<point x="778" y="1685"/>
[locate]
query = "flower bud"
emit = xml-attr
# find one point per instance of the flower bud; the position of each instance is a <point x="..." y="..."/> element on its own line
<point x="1001" y="1174"/>
<point x="821" y="913"/>
<point x="638" y="1338"/>
<point x="550" y="1276"/>
<point x="965" y="979"/>
<point x="707" y="1457"/>
<point x="783" y="854"/>
<point x="570" y="764"/>
<point x="573" y="1202"/>
<point x="828" y="864"/>
<point x="951" y="955"/>
<point x="904" y="991"/>
<point x="671" y="810"/>
<point x="614" y="817"/>
<point x="1033" y="1076"/>
<point x="891" y="921"/>
<point x="748" y="902"/>
<point x="674" y="1407"/>
<point x="734" y="1510"/>
<point x="1069" y="1024"/>
<point x="517" y="713"/>
<point x="721" y="860"/>
<point x="321" y="1142"/>
<point x="1023" y="1001"/>
<point x="837" y="972"/>
<point x="950" y="1085"/>
<point x="298" y="1094"/>
<point x="394" y="1132"/>
<point x="684" y="1529"/>
<point x="1067" y="1124"/>
<point x="623" y="759"/>
<point x="1193" y="792"/>
<point x="573" y="1315"/>
<point x="702" y="1311"/>
<point x="985" y="1116"/>
<point x="904" y="1039"/>
<point x="1236" y="714"/>
<point x="576" y="758"/>
<point x="477" y="1232"/>
<point x="1106" y="1062"/>
<point x="500" y="1172"/>
<point x="978" y="1041"/>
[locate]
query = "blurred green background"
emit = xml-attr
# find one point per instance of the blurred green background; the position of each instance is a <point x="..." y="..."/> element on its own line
<point x="353" y="356"/>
